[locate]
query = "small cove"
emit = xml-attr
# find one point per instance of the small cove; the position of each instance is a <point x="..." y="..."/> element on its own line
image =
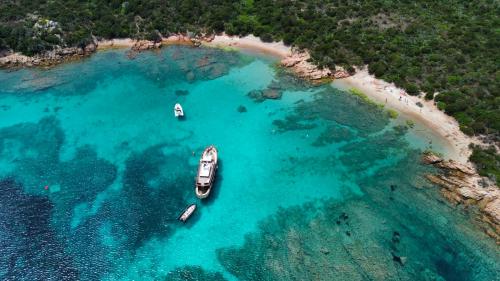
<point x="101" y="134"/>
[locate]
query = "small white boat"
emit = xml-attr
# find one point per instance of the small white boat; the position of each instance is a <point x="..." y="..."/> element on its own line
<point x="178" y="111"/>
<point x="206" y="172"/>
<point x="187" y="213"/>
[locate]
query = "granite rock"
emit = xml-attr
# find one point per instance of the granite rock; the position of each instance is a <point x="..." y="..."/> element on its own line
<point x="462" y="185"/>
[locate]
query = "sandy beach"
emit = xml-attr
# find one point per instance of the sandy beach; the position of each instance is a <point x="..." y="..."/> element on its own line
<point x="251" y="43"/>
<point x="115" y="43"/>
<point x="428" y="115"/>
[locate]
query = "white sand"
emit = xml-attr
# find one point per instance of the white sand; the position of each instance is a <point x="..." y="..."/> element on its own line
<point x="250" y="42"/>
<point x="115" y="43"/>
<point x="429" y="115"/>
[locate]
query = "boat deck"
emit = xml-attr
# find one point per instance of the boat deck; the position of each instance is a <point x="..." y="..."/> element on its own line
<point x="204" y="173"/>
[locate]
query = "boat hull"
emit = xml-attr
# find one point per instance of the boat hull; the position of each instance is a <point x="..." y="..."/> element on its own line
<point x="187" y="213"/>
<point x="178" y="111"/>
<point x="206" y="172"/>
<point x="202" y="195"/>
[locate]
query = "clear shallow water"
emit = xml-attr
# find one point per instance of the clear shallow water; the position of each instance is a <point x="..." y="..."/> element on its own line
<point x="303" y="191"/>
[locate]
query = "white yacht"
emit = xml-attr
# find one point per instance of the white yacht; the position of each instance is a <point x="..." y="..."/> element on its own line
<point x="178" y="111"/>
<point x="206" y="172"/>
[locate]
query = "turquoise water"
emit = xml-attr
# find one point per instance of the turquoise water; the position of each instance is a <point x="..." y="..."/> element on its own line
<point x="316" y="185"/>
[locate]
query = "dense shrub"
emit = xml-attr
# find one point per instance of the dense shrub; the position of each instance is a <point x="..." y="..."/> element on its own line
<point x="487" y="162"/>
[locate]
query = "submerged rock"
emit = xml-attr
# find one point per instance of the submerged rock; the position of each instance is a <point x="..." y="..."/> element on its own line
<point x="193" y="273"/>
<point x="48" y="58"/>
<point x="190" y="77"/>
<point x="398" y="259"/>
<point x="300" y="242"/>
<point x="181" y="92"/>
<point x="242" y="109"/>
<point x="271" y="94"/>
<point x="430" y="158"/>
<point x="203" y="61"/>
<point x="396" y="237"/>
<point x="262" y="95"/>
<point x="256" y="95"/>
<point x="215" y="70"/>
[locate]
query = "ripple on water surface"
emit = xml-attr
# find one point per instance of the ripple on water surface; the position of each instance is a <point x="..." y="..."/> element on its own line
<point x="313" y="184"/>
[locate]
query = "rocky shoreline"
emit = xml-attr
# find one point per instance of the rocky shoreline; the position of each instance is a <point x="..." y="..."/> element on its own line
<point x="462" y="185"/>
<point x="297" y="61"/>
<point x="60" y="55"/>
<point x="49" y="58"/>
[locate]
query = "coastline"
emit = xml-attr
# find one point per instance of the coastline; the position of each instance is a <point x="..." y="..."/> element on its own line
<point x="378" y="90"/>
<point x="251" y="43"/>
<point x="456" y="190"/>
<point x="429" y="115"/>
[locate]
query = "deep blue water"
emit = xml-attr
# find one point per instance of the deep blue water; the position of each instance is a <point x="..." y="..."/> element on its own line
<point x="316" y="185"/>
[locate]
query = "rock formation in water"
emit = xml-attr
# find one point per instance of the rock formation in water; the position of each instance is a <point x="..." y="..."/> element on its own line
<point x="61" y="54"/>
<point x="461" y="184"/>
<point x="55" y="56"/>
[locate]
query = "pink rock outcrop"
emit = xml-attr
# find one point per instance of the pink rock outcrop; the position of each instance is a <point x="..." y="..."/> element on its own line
<point x="142" y="45"/>
<point x="299" y="63"/>
<point x="52" y="57"/>
<point x="461" y="184"/>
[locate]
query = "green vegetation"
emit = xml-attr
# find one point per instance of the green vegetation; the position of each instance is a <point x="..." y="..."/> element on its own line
<point x="365" y="98"/>
<point x="393" y="114"/>
<point x="410" y="123"/>
<point x="487" y="162"/>
<point x="448" y="47"/>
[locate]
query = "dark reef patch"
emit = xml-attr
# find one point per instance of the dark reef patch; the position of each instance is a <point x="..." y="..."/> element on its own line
<point x="160" y="180"/>
<point x="334" y="107"/>
<point x="156" y="186"/>
<point x="356" y="239"/>
<point x="205" y="64"/>
<point x="241" y="109"/>
<point x="256" y="95"/>
<point x="373" y="150"/>
<point x="181" y="93"/>
<point x="29" y="248"/>
<point x="334" y="134"/>
<point x="165" y="67"/>
<point x="294" y="122"/>
<point x="284" y="81"/>
<point x="193" y="273"/>
<point x="34" y="149"/>
<point x="385" y="234"/>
